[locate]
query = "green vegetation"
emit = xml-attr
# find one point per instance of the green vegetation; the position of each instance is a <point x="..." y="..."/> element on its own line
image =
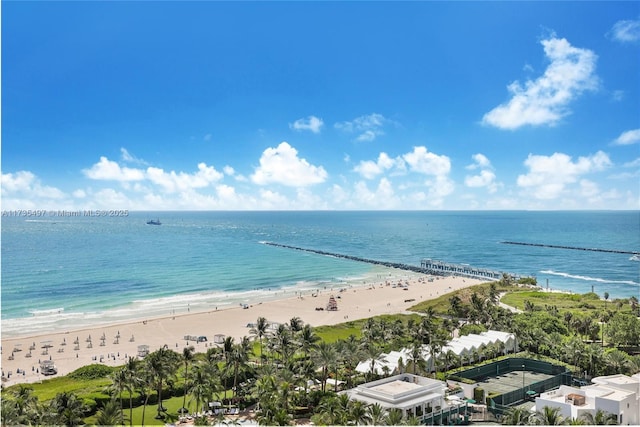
<point x="273" y="367"/>
<point x="570" y="302"/>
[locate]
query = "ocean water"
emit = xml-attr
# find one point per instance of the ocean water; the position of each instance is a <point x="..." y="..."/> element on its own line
<point x="60" y="273"/>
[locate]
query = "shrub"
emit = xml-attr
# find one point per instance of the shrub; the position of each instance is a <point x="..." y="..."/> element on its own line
<point x="478" y="394"/>
<point x="91" y="372"/>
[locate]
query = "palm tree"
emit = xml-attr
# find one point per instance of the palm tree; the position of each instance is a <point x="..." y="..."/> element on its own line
<point x="593" y="355"/>
<point x="376" y="414"/>
<point x="435" y="346"/>
<point x="616" y="361"/>
<point x="372" y="353"/>
<point x="187" y="357"/>
<point x="358" y="412"/>
<point x="516" y="417"/>
<point x="574" y="350"/>
<point x="202" y="384"/>
<point x="119" y="385"/>
<point x="633" y="302"/>
<point x="9" y="413"/>
<point x="351" y="354"/>
<point x="369" y="330"/>
<point x="144" y="387"/>
<point x="132" y="382"/>
<point x="260" y="331"/>
<point x="162" y="365"/>
<point x="456" y="308"/>
<point x="326" y="356"/>
<point x="264" y="389"/>
<point x="295" y="324"/>
<point x="600" y="418"/>
<point x="307" y="339"/>
<point x="227" y="348"/>
<point x="477" y="307"/>
<point x="239" y="358"/>
<point x="450" y="359"/>
<point x="394" y="417"/>
<point x="24" y="402"/>
<point x="69" y="408"/>
<point x="110" y="414"/>
<point x="548" y="417"/>
<point x="494" y="295"/>
<point x="416" y="358"/>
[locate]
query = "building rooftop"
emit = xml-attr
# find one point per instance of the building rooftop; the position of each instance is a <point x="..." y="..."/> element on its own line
<point x="396" y="387"/>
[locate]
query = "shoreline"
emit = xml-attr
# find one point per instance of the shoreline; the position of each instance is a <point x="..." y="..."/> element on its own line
<point x="47" y="321"/>
<point x="111" y="344"/>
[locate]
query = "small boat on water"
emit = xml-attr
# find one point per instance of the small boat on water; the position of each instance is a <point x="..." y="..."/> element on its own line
<point x="154" y="222"/>
<point x="635" y="257"/>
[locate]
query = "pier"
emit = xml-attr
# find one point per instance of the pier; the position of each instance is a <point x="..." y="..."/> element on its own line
<point x="542" y="245"/>
<point x="448" y="269"/>
<point x="427" y="266"/>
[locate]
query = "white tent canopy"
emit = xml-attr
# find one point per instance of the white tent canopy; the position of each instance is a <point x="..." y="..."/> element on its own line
<point x="462" y="346"/>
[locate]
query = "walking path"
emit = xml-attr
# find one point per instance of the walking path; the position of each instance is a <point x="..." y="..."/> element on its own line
<point x="508" y="307"/>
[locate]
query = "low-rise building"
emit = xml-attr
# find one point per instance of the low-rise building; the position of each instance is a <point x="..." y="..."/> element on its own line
<point x="412" y="394"/>
<point x="464" y="346"/>
<point x="615" y="394"/>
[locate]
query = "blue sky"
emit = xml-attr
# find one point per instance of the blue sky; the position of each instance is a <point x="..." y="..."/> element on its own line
<point x="328" y="105"/>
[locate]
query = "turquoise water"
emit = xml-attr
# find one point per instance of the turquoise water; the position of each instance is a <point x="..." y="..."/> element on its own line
<point x="59" y="273"/>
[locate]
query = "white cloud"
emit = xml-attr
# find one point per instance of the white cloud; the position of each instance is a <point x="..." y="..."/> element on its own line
<point x="588" y="188"/>
<point x="633" y="164"/>
<point x="176" y="182"/>
<point x="109" y="170"/>
<point x="281" y="165"/>
<point x="479" y="161"/>
<point x="545" y="101"/>
<point x="486" y="177"/>
<point x="130" y="158"/>
<point x="369" y="127"/>
<point x="109" y="198"/>
<point x="25" y="183"/>
<point x="312" y="123"/>
<point x="369" y="169"/>
<point x="626" y="31"/>
<point x="628" y="137"/>
<point x="617" y="95"/>
<point x="422" y="161"/>
<point x="549" y="176"/>
<point x="382" y="197"/>
<point x="367" y="135"/>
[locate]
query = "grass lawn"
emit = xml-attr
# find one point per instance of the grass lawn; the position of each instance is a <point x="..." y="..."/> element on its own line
<point x="564" y="302"/>
<point x="47" y="389"/>
<point x="171" y="405"/>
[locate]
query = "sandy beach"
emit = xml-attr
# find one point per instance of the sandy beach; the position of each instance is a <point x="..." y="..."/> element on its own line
<point x="113" y="344"/>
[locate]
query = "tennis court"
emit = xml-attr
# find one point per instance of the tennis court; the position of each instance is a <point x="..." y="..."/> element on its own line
<point x="511" y="381"/>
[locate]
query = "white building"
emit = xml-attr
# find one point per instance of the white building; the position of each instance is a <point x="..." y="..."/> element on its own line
<point x="412" y="394"/>
<point x="616" y="394"/>
<point x="464" y="346"/>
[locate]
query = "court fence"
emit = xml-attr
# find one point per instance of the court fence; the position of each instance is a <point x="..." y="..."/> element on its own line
<point x="497" y="403"/>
